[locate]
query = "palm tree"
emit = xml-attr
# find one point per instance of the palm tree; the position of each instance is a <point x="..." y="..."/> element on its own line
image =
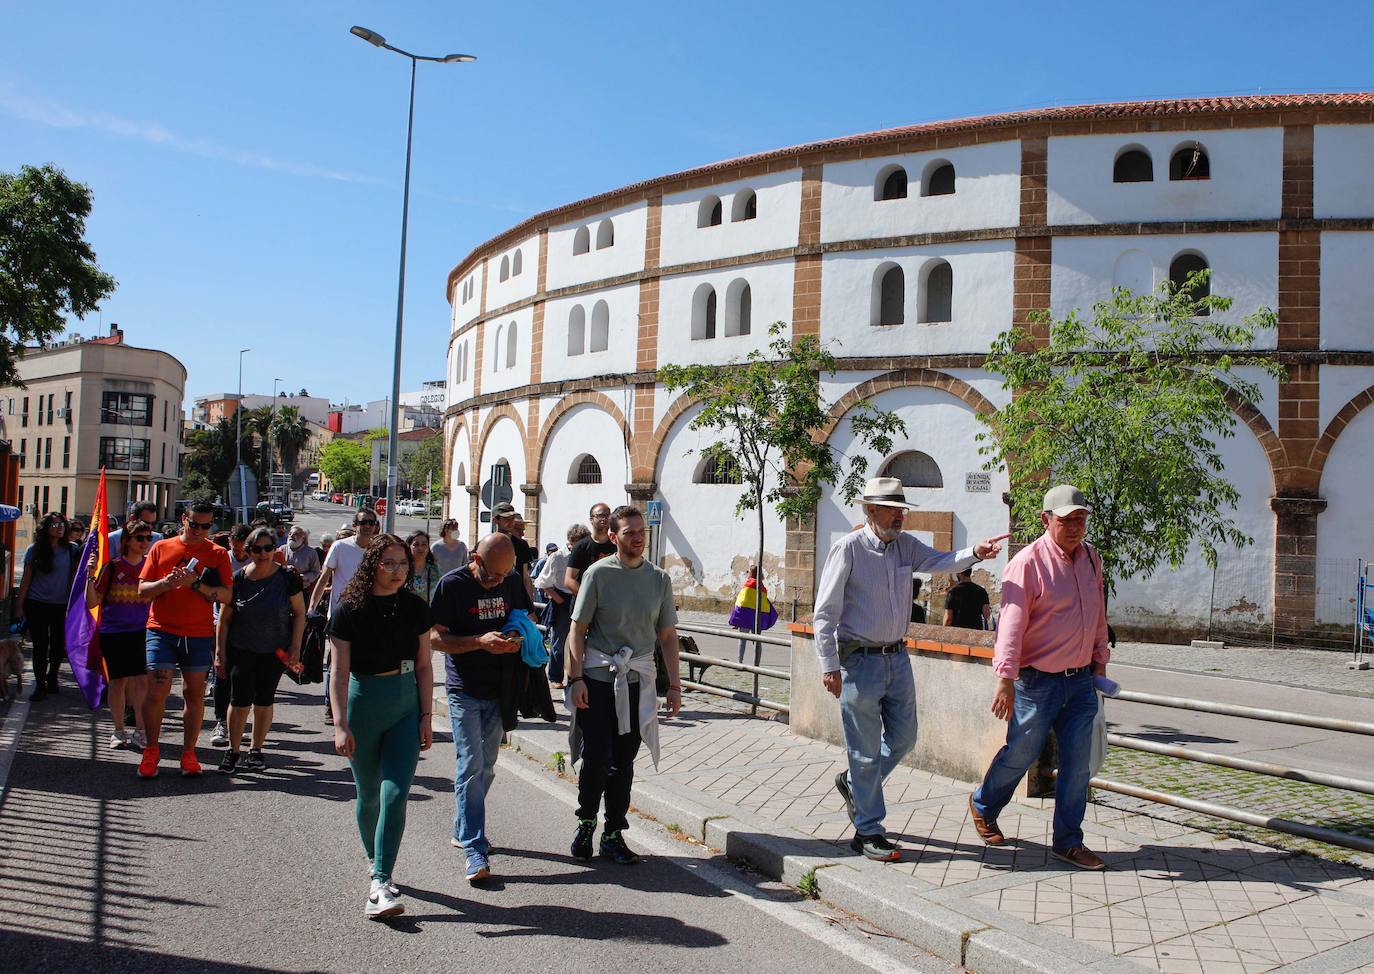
<point x="258" y="422"/>
<point x="290" y="433"/>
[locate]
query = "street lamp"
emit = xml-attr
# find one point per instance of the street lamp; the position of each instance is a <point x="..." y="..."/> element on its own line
<point x="238" y="438"/>
<point x="377" y="40"/>
<point x="271" y="466"/>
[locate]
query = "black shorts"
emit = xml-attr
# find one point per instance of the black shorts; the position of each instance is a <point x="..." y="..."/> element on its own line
<point x="253" y="678"/>
<point x="125" y="653"/>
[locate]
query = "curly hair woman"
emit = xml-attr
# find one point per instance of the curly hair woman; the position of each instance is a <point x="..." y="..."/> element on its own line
<point x="49" y="566"/>
<point x="381" y="685"/>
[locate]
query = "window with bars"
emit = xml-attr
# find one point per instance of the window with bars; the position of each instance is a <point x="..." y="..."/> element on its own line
<point x="121" y="453"/>
<point x="586" y="470"/>
<point x="914" y="469"/>
<point x="135" y="408"/>
<point x="717" y="469"/>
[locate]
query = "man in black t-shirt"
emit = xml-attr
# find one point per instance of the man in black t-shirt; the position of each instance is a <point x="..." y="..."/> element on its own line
<point x="468" y="611"/>
<point x="503" y="518"/>
<point x="966" y="605"/>
<point x="590" y="550"/>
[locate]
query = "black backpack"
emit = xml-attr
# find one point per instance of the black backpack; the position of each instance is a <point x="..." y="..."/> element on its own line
<point x="313" y="644"/>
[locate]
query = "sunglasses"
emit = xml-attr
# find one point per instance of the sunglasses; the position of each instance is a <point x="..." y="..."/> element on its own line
<point x="200" y="525"/>
<point x="263" y="549"/>
<point x="369" y="522"/>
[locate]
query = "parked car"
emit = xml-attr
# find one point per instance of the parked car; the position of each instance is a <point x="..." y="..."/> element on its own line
<point x="320" y="495"/>
<point x="336" y="498"/>
<point x="411" y="507"/>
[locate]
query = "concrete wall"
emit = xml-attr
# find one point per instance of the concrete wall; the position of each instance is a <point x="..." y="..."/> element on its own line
<point x="779" y="206"/>
<point x="498" y="372"/>
<point x="516" y="286"/>
<point x="770" y="285"/>
<point x="624" y="256"/>
<point x="622" y="307"/>
<point x="1342" y="174"/>
<point x="956" y="733"/>
<point x="1347" y="309"/>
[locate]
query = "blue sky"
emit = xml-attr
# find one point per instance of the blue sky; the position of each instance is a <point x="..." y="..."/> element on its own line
<point x="246" y="158"/>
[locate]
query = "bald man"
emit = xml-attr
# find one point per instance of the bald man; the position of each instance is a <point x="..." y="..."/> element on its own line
<point x="469" y="610"/>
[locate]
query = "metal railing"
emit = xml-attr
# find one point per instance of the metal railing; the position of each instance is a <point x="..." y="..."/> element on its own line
<point x="1270" y="769"/>
<point x="697" y="664"/>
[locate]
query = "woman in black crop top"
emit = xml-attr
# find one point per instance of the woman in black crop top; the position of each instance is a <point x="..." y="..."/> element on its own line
<point x="381" y="685"/>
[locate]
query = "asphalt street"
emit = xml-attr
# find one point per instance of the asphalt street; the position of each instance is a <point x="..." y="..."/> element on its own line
<point x="265" y="872"/>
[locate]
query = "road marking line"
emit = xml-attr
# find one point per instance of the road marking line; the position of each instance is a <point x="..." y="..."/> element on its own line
<point x="671" y="850"/>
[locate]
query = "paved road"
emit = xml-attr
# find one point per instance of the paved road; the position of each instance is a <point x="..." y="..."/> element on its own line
<point x="265" y="872"/>
<point x="319" y="517"/>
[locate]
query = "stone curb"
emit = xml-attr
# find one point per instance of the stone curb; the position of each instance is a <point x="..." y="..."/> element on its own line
<point x="856" y="886"/>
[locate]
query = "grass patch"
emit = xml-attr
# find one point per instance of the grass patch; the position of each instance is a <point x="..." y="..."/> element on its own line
<point x="809" y="886"/>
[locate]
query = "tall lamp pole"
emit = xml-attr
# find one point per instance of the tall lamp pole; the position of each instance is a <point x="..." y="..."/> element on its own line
<point x="377" y="40"/>
<point x="238" y="437"/>
<point x="271" y="465"/>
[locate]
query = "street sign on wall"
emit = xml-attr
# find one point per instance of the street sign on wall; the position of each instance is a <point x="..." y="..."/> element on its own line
<point x="979" y="482"/>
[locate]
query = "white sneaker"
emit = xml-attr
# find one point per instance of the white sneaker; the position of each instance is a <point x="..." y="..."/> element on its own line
<point x="118" y="741"/>
<point x="221" y="738"/>
<point x="138" y="742"/>
<point x="383" y="900"/>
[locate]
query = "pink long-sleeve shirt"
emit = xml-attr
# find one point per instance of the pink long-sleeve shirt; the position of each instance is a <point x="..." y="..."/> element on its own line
<point x="1052" y="616"/>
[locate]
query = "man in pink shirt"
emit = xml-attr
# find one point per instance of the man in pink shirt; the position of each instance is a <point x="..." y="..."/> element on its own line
<point x="1051" y="642"/>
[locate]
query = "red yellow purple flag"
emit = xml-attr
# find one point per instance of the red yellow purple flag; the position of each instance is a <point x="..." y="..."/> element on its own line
<point x="83" y="624"/>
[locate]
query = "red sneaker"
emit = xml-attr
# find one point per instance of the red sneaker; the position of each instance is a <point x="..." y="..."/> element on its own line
<point x="190" y="767"/>
<point x="147" y="767"/>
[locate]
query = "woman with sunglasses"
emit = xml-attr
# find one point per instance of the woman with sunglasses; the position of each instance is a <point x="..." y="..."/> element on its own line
<point x="265" y="615"/>
<point x="382" y="686"/>
<point x="49" y="566"/>
<point x="424" y="569"/>
<point x="123" y="630"/>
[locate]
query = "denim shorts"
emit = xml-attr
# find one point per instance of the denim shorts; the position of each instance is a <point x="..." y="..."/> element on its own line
<point x="190" y="654"/>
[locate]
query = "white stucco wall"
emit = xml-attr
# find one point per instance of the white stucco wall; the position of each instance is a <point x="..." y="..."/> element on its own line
<point x="460" y="469"/>
<point x="518" y="286"/>
<point x="1246" y="178"/>
<point x="770" y="285"/>
<point x="507" y="376"/>
<point x="779" y="214"/>
<point x="583" y="429"/>
<point x="625" y="256"/>
<point x="1244" y="578"/>
<point x="942" y="426"/>
<point x="987" y="193"/>
<point x="704" y="546"/>
<point x="981" y="307"/>
<point x="1347" y="312"/>
<point x="1244" y="268"/>
<point x="1340" y="384"/>
<point x="1343" y="171"/>
<point x="459" y="391"/>
<point x="622" y="304"/>
<point x="1345" y="532"/>
<point x="465" y="310"/>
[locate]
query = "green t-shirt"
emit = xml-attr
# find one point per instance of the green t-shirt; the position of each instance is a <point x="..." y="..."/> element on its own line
<point x="623" y="607"/>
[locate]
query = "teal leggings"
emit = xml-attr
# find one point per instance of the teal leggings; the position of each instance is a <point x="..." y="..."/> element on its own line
<point x="384" y="716"/>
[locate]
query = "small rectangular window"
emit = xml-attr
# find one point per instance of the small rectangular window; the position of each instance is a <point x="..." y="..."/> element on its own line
<point x="21" y="497"/>
<point x="165" y="404"/>
<point x="51" y="396"/>
<point x="25" y="421"/>
<point x="163" y="468"/>
<point x="47" y="452"/>
<point x="23" y="454"/>
<point x="121" y="453"/>
<point x="47" y="500"/>
<point x="133" y="408"/>
<point x="66" y="451"/>
<point x="67" y="404"/>
<point x="63" y="508"/>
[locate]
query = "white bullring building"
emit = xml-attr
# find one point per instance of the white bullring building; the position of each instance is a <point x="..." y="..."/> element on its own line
<point x="909" y="250"/>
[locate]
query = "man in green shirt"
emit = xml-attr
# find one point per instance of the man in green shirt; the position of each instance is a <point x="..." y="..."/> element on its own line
<point x="624" y="605"/>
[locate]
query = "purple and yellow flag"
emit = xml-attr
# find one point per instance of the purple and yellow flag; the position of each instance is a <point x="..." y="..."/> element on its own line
<point x="83" y="624"/>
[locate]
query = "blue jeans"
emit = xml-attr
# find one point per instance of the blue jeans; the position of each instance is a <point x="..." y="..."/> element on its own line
<point x="1068" y="705"/>
<point x="477" y="742"/>
<point x="558" y="617"/>
<point x="878" y="711"/>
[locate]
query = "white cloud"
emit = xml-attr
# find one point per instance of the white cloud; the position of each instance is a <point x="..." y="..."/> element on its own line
<point x="59" y="116"/>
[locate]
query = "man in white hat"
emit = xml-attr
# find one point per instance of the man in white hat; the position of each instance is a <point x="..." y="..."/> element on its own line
<point x="863" y="607"/>
<point x="1051" y="642"/>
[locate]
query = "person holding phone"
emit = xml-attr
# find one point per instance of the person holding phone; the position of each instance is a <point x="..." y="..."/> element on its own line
<point x="382" y="686"/>
<point x="184" y="576"/>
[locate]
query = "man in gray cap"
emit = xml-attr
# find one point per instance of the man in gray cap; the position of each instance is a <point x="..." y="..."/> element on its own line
<point x="503" y="518"/>
<point x="863" y="607"/>
<point x="1051" y="642"/>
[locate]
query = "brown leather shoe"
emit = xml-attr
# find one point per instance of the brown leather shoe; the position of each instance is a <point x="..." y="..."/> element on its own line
<point x="1080" y="856"/>
<point x="987" y="831"/>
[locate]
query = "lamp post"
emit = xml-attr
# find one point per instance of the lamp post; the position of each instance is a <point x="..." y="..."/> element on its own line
<point x="271" y="464"/>
<point x="377" y="40"/>
<point x="238" y="435"/>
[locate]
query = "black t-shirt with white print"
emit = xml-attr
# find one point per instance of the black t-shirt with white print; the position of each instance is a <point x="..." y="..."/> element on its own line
<point x="465" y="608"/>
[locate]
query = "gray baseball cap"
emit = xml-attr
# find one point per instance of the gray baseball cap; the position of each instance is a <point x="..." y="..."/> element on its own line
<point x="1063" y="500"/>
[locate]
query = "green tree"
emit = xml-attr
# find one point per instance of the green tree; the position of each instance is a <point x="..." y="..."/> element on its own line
<point x="210" y="459"/>
<point x="424" y="461"/>
<point x="47" y="269"/>
<point x="290" y="434"/>
<point x="346" y="463"/>
<point x="257" y="425"/>
<point x="766" y="413"/>
<point x="1129" y="408"/>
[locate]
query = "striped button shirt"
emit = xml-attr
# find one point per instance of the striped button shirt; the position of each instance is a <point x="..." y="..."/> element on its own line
<point x="864" y="594"/>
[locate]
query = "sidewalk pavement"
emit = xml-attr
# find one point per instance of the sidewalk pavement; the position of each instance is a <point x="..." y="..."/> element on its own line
<point x="1173" y="899"/>
<point x="1309" y="669"/>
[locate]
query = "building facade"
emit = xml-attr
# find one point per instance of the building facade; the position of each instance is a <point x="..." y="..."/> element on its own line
<point x="93" y="404"/>
<point x="908" y="251"/>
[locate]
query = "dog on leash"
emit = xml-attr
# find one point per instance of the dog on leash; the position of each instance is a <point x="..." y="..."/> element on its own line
<point x="11" y="663"/>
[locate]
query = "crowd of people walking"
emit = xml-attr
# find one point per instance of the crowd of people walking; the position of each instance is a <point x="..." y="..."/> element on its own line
<point x="230" y="613"/>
